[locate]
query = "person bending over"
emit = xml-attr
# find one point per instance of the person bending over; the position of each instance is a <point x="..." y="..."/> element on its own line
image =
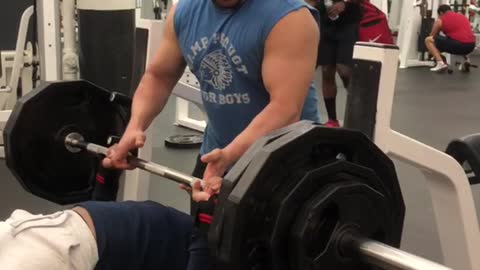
<point x="101" y="236"/>
<point x="339" y="31"/>
<point x="458" y="38"/>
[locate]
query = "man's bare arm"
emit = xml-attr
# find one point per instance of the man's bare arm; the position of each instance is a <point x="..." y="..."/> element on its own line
<point x="83" y="213"/>
<point x="159" y="79"/>
<point x="288" y="69"/>
<point x="437" y="27"/>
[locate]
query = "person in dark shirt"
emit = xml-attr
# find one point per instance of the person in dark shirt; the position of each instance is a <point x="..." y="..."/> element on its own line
<point x="102" y="236"/>
<point x="339" y="31"/>
<point x="459" y="38"/>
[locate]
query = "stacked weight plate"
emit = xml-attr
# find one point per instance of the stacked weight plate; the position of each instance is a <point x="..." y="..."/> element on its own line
<point x="298" y="192"/>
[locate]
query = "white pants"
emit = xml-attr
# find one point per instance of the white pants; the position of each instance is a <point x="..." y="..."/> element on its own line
<point x="60" y="241"/>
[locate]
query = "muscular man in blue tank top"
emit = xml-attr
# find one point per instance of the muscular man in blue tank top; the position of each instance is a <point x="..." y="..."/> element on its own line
<point x="255" y="62"/>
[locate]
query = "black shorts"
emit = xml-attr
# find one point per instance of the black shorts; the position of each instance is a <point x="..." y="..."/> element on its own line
<point x="448" y="45"/>
<point x="336" y="44"/>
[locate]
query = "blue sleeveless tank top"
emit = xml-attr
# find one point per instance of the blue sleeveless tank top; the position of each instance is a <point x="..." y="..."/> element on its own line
<point x="224" y="49"/>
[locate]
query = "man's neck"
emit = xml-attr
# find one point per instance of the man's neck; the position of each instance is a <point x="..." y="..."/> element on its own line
<point x="237" y="5"/>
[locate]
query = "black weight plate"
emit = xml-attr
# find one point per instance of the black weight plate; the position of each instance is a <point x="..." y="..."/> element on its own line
<point x="35" y="131"/>
<point x="354" y="206"/>
<point x="184" y="141"/>
<point x="236" y="172"/>
<point x="279" y="166"/>
<point x="284" y="208"/>
<point x="233" y="214"/>
<point x="216" y="233"/>
<point x="466" y="151"/>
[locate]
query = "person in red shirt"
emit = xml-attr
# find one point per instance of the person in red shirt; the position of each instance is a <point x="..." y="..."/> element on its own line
<point x="458" y="38"/>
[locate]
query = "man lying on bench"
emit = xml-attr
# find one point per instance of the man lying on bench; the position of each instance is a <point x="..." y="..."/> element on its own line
<point x="103" y="235"/>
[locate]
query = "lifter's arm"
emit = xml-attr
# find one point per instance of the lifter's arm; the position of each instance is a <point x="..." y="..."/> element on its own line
<point x="159" y="80"/>
<point x="288" y="69"/>
<point x="151" y="95"/>
<point x="437" y="27"/>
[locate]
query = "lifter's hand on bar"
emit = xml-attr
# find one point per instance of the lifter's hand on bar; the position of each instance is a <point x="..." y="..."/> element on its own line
<point x="218" y="161"/>
<point x="117" y="155"/>
<point x="203" y="191"/>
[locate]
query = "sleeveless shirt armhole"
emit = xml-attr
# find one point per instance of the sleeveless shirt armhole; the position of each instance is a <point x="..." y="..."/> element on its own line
<point x="292" y="7"/>
<point x="177" y="25"/>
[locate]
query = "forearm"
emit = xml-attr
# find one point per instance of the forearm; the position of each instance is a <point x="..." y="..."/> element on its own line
<point x="150" y="97"/>
<point x="274" y="116"/>
<point x="436" y="28"/>
<point x="434" y="33"/>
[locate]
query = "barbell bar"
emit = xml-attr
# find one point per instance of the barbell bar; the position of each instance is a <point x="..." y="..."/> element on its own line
<point x="390" y="258"/>
<point x="75" y="142"/>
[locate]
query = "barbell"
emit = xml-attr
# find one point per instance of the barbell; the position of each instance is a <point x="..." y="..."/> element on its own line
<point x="74" y="142"/>
<point x="302" y="197"/>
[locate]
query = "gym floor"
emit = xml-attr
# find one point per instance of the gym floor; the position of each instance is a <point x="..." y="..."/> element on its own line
<point x="432" y="108"/>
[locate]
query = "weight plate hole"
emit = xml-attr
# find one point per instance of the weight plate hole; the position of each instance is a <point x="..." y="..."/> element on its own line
<point x="322" y="229"/>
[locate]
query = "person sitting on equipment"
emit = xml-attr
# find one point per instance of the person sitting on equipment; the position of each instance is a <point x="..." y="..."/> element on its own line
<point x="101" y="235"/>
<point x="459" y="38"/>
